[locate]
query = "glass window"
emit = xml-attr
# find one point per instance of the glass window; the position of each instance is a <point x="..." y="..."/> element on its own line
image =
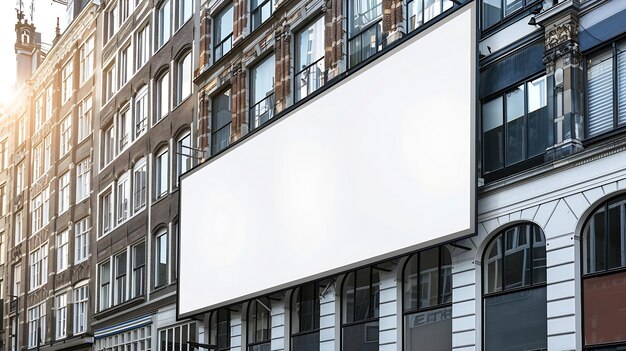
<point x="162" y="97"/>
<point x="605" y="237"/>
<point x="108" y="145"/>
<point x="185" y="9"/>
<point x="422" y="11"/>
<point x="140" y="181"/>
<point x="81" y="241"/>
<point x="605" y="107"/>
<point x="171" y="339"/>
<point x="261" y="11"/>
<point x="160" y="271"/>
<point x="106" y="208"/>
<point x="84" y="118"/>
<point x="223" y="23"/>
<point x="142" y="47"/>
<point x="310" y="59"/>
<point x="360" y="310"/>
<point x="86" y="60"/>
<point x="81" y="297"/>
<point x="221" y="118"/>
<point x="516" y="125"/>
<point x="164" y="23"/>
<point x="184" y="155"/>
<point x="305" y="318"/>
<point x="109" y="82"/>
<point x="141" y="112"/>
<point x="61" y="316"/>
<point x="364" y="29"/>
<point x="49" y="93"/>
<point x="514" y="276"/>
<point x="162" y="173"/>
<point x="123" y="198"/>
<point x="184" y="78"/>
<point x="83" y="171"/>
<point x="62" y="251"/>
<point x="119" y="291"/>
<point x="427" y="287"/>
<point x="139" y="269"/>
<point x="126" y="64"/>
<point x="259" y="324"/>
<point x="219" y="329"/>
<point x="124" y="129"/>
<point x="110" y="23"/>
<point x="36" y="325"/>
<point x="104" y="278"/>
<point x="39" y="267"/>
<point x="262" y="92"/>
<point x="516" y="321"/>
<point x="66" y="82"/>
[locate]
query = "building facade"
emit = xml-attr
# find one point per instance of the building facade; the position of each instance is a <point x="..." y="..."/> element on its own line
<point x="135" y="93"/>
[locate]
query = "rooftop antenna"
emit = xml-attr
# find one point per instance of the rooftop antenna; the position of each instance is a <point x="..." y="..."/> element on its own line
<point x="19" y="9"/>
<point x="32" y="11"/>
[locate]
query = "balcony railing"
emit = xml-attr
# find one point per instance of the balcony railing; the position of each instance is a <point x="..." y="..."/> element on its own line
<point x="311" y="78"/>
<point x="262" y="111"/>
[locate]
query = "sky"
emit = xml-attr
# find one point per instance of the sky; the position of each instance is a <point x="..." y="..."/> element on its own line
<point x="46" y="12"/>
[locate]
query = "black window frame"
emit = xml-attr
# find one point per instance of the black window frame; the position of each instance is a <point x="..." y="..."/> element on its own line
<point x="527" y="7"/>
<point x="323" y="77"/>
<point x="258" y="11"/>
<point x="269" y="99"/>
<point x="617" y="128"/>
<point x="585" y="276"/>
<point x="604" y="205"/>
<point x="296" y="301"/>
<point x="216" y="319"/>
<point x="440" y="305"/>
<point x="526" y="161"/>
<point x="373" y="313"/>
<point x="408" y="19"/>
<point x="503" y="290"/>
<point x="261" y="302"/>
<point x="214" y="112"/>
<point x="230" y="5"/>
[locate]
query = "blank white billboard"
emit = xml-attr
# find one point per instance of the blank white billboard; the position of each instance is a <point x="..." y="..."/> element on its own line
<point x="378" y="165"/>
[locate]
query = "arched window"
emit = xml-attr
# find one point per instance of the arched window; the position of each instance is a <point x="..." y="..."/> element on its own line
<point x="258" y="324"/>
<point x="162" y="173"/>
<point x="162" y="97"/>
<point x="25" y="37"/>
<point x="183" y="78"/>
<point x="184" y="154"/>
<point x="305" y="318"/>
<point x="360" y="302"/>
<point x="427" y="286"/>
<point x="514" y="294"/>
<point x="219" y="329"/>
<point x="604" y="276"/>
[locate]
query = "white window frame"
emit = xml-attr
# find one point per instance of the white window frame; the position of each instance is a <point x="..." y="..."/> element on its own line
<point x="83" y="179"/>
<point x="81" y="240"/>
<point x="86" y="60"/>
<point x="66" y="81"/>
<point x="61" y="316"/>
<point x="161" y="175"/>
<point x="64" y="192"/>
<point x="85" y="112"/>
<point x="80" y="308"/>
<point x="63" y="255"/>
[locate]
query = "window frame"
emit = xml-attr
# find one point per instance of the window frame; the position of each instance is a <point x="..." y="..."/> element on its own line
<point x="617" y="126"/>
<point x="228" y="38"/>
<point x="268" y="100"/>
<point x="258" y="11"/>
<point x="161" y="237"/>
<point x="297" y="72"/>
<point x="184" y="91"/>
<point x="502" y="94"/>
<point x="162" y="179"/>
<point x="525" y="7"/>
<point x="81" y="240"/>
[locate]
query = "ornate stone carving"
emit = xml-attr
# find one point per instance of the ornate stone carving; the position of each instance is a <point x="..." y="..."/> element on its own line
<point x="562" y="33"/>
